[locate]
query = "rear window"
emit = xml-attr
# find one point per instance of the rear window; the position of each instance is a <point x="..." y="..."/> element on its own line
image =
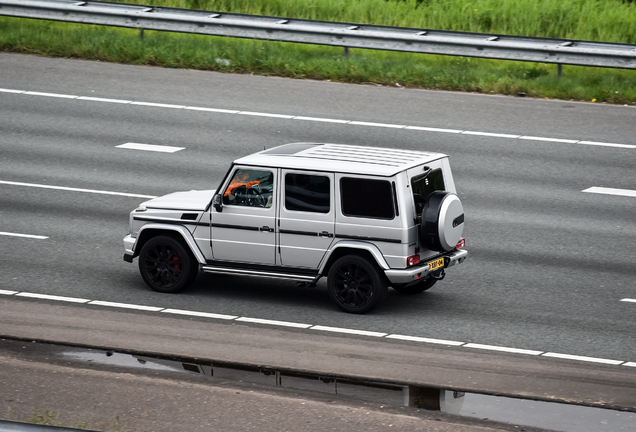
<point x="425" y="184"/>
<point x="367" y="198"/>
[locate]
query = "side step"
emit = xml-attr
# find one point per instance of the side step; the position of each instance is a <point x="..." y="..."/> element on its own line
<point x="260" y="273"/>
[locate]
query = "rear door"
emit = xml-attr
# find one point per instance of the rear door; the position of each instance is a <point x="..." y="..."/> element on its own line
<point x="307" y="217"/>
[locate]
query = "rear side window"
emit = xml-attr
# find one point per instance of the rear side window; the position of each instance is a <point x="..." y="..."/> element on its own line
<point x="367" y="198"/>
<point x="309" y="193"/>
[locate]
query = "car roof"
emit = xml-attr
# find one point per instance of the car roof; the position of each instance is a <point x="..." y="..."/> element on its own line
<point x="343" y="158"/>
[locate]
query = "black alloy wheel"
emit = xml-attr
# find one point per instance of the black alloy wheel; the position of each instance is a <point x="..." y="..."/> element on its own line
<point x="166" y="265"/>
<point x="355" y="284"/>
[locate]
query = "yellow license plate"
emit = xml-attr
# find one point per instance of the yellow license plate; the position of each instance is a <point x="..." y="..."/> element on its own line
<point x="437" y="264"/>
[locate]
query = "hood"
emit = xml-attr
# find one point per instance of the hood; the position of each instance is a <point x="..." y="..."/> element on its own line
<point x="191" y="200"/>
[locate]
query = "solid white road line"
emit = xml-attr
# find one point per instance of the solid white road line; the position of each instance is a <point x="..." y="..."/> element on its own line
<point x="38" y="237"/>
<point x="63" y="188"/>
<point x="7" y="292"/>
<point x="158" y="105"/>
<point x="96" y="99"/>
<point x="631" y="300"/>
<point x="611" y="191"/>
<point x="150" y="147"/>
<point x="325" y="120"/>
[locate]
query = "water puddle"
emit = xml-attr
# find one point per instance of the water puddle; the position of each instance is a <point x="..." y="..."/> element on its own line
<point x="523" y="412"/>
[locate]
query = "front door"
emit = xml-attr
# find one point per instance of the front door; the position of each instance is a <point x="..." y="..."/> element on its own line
<point x="244" y="231"/>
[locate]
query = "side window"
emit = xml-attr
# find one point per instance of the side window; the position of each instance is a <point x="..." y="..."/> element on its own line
<point x="308" y="193"/>
<point x="249" y="187"/>
<point x="367" y="198"/>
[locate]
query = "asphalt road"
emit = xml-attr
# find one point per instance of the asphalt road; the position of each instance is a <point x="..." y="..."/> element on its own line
<point x="548" y="264"/>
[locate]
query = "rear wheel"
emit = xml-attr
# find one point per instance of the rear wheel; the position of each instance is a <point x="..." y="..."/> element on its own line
<point x="417" y="287"/>
<point x="355" y="284"/>
<point x="166" y="265"/>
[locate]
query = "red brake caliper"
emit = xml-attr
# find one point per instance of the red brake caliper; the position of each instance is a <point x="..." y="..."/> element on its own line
<point x="176" y="258"/>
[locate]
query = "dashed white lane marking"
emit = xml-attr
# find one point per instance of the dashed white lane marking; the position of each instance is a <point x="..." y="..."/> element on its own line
<point x="348" y="331"/>
<point x="630" y="300"/>
<point x="199" y="314"/>
<point x="583" y="358"/>
<point x="325" y="120"/>
<point x="38" y="237"/>
<point x="52" y="297"/>
<point x="611" y="191"/>
<point x="503" y="349"/>
<point x="150" y="147"/>
<point x="125" y="305"/>
<point x="273" y="322"/>
<point x="319" y="328"/>
<point x="425" y="340"/>
<point x="103" y="192"/>
<point x="8" y="292"/>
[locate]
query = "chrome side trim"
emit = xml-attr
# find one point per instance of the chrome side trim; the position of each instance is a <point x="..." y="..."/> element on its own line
<point x="261" y="273"/>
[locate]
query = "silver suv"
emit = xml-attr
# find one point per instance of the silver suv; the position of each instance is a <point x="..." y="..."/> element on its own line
<point x="366" y="218"/>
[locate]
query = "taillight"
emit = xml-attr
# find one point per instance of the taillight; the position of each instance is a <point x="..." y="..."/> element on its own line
<point x="461" y="243"/>
<point x="412" y="260"/>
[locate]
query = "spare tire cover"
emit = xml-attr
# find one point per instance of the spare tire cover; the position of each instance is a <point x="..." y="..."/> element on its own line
<point x="442" y="221"/>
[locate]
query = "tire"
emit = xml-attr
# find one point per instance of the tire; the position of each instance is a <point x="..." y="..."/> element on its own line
<point x="166" y="265"/>
<point x="355" y="284"/>
<point x="442" y="221"/>
<point x="417" y="287"/>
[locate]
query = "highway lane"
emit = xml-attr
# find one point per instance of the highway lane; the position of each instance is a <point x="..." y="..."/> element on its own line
<point x="549" y="264"/>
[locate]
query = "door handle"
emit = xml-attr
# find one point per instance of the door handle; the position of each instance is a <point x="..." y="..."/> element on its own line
<point x="266" y="229"/>
<point x="325" y="234"/>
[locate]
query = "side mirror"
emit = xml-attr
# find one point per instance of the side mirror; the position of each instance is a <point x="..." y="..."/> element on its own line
<point x="217" y="202"/>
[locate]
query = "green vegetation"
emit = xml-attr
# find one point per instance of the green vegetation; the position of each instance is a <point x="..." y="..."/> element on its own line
<point x="607" y="20"/>
<point x="51" y="418"/>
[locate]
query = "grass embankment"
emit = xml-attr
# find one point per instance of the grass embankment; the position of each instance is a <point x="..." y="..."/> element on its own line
<point x="607" y="21"/>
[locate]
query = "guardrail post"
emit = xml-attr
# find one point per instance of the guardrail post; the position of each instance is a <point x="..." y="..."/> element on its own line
<point x="559" y="69"/>
<point x="141" y="34"/>
<point x="346" y="51"/>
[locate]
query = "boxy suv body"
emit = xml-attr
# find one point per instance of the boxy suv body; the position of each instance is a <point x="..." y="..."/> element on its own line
<point x="366" y="218"/>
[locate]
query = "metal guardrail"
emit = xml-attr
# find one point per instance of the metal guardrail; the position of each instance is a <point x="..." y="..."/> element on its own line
<point x="542" y="50"/>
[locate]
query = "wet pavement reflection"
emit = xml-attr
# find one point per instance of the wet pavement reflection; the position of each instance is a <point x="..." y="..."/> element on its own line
<point x="523" y="412"/>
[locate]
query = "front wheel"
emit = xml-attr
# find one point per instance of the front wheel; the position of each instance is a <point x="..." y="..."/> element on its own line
<point x="166" y="265"/>
<point x="355" y="284"/>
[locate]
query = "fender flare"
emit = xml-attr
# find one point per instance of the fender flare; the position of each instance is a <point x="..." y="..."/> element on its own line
<point x="179" y="229"/>
<point x="359" y="245"/>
